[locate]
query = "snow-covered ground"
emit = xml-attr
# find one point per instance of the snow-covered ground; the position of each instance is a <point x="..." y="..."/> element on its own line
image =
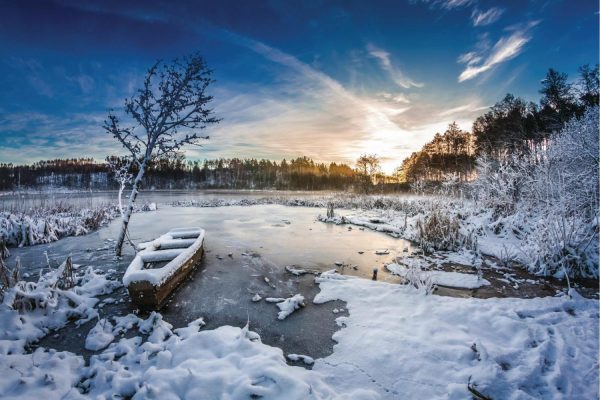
<point x="396" y="342"/>
<point x="403" y="344"/>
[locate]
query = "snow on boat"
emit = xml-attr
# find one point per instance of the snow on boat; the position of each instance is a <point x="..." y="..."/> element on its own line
<point x="162" y="264"/>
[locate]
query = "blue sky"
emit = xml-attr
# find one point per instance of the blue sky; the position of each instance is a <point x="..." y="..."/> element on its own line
<point x="326" y="79"/>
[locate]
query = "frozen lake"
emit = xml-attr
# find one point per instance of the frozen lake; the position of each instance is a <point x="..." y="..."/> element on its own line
<point x="262" y="240"/>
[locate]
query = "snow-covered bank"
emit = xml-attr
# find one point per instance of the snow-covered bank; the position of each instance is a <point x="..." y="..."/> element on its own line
<point x="396" y="342"/>
<point x="45" y="225"/>
<point x="441" y="278"/>
<point x="452" y="224"/>
<point x="403" y="344"/>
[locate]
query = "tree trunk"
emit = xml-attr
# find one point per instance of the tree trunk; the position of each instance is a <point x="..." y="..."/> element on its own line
<point x="121" y="188"/>
<point x="129" y="211"/>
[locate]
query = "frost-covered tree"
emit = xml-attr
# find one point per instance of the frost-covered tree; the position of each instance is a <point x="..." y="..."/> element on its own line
<point x="166" y="114"/>
<point x="550" y="197"/>
<point x="121" y="171"/>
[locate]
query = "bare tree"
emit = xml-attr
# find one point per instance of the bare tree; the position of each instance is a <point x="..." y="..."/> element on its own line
<point x="367" y="167"/>
<point x="166" y="114"/>
<point x="122" y="174"/>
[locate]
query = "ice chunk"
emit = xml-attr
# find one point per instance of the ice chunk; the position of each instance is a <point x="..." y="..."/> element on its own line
<point x="290" y="305"/>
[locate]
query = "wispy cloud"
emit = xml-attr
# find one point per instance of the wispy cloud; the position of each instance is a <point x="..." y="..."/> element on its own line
<point x="464" y="109"/>
<point x="397" y="97"/>
<point x="34" y="72"/>
<point x="482" y="18"/>
<point x="397" y="76"/>
<point x="447" y="4"/>
<point x="505" y="49"/>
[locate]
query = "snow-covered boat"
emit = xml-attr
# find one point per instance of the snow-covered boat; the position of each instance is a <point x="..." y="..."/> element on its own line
<point x="162" y="264"/>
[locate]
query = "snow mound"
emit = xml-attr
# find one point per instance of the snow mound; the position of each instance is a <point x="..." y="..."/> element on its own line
<point x="443" y="278"/>
<point x="99" y="336"/>
<point x="227" y="362"/>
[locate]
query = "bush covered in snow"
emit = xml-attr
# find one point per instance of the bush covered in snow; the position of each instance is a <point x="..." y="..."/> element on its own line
<point x="28" y="310"/>
<point x="440" y="230"/>
<point x="47" y="225"/>
<point x="550" y="196"/>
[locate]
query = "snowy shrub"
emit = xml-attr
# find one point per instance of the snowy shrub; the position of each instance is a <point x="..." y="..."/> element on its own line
<point x="30" y="309"/>
<point x="562" y="244"/>
<point x="9" y="277"/>
<point x="552" y="196"/>
<point x="415" y="277"/>
<point x="48" y="224"/>
<point x="499" y="184"/>
<point x="441" y="231"/>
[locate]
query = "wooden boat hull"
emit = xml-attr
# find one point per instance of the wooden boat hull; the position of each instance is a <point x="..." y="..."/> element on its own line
<point x="148" y="296"/>
<point x="150" y="288"/>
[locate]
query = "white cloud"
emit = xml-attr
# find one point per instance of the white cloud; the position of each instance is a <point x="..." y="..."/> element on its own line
<point x="398" y="97"/>
<point x="464" y="109"/>
<point x="482" y="18"/>
<point x="397" y="76"/>
<point x="447" y="4"/>
<point x="469" y="58"/>
<point x="505" y="49"/>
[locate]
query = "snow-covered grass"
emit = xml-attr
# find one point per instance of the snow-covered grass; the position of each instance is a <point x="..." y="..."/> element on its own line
<point x="53" y="222"/>
<point x="44" y="225"/>
<point x="337" y="200"/>
<point x="29" y="310"/>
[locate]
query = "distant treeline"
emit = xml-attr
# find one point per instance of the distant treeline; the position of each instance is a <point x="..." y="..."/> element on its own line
<point x="298" y="174"/>
<point x="512" y="126"/>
